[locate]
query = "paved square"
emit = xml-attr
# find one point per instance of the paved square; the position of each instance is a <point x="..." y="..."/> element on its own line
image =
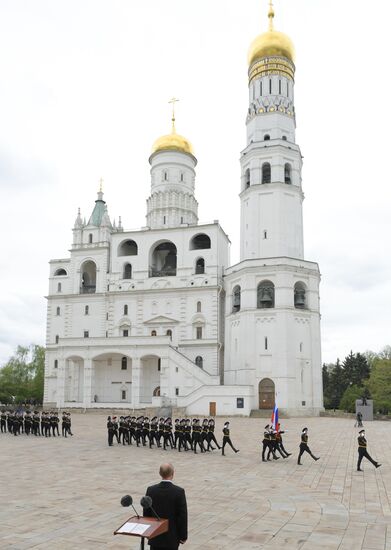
<point x="65" y="493"/>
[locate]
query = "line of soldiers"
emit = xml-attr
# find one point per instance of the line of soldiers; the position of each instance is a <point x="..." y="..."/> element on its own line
<point x="272" y="443"/>
<point x="183" y="434"/>
<point x="45" y="424"/>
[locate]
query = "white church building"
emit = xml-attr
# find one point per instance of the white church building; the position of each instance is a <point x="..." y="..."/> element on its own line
<point x="158" y="316"/>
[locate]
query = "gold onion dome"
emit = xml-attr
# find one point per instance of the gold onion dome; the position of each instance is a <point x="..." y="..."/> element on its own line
<point x="173" y="141"/>
<point x="271" y="43"/>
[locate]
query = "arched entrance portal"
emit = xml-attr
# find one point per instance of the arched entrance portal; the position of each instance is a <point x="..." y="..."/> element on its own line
<point x="267" y="394"/>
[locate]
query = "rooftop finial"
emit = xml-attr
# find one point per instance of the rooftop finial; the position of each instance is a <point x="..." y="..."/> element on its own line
<point x="101" y="185"/>
<point x="271" y="15"/>
<point x="173" y="100"/>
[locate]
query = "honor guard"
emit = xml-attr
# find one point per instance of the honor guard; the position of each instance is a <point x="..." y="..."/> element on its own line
<point x="197" y="436"/>
<point x="362" y="451"/>
<point x="139" y="429"/>
<point x="146" y="426"/>
<point x="211" y="435"/>
<point x="153" y="432"/>
<point x="283" y="452"/>
<point x="227" y="439"/>
<point x="3" y="422"/>
<point x="188" y="433"/>
<point x="110" y="431"/>
<point x="28" y="422"/>
<point x="304" y="446"/>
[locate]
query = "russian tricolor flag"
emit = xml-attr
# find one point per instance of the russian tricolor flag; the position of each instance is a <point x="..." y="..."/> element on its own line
<point x="274" y="418"/>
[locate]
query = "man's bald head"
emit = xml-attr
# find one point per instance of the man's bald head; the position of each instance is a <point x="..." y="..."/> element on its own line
<point x="166" y="471"/>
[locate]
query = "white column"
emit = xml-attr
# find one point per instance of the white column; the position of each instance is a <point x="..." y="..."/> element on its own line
<point x="88" y="366"/>
<point x="61" y="383"/>
<point x="136" y="375"/>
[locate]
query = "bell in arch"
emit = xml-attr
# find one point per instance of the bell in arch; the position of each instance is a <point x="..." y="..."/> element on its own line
<point x="266" y="298"/>
<point x="300" y="298"/>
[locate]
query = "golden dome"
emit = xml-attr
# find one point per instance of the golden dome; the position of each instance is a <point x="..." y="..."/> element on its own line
<point x="271" y="43"/>
<point x="173" y="142"/>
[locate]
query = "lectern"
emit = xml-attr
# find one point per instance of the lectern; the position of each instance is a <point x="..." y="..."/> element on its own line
<point x="146" y="528"/>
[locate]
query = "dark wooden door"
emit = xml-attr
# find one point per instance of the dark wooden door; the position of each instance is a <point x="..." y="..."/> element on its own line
<point x="212" y="408"/>
<point x="267" y="394"/>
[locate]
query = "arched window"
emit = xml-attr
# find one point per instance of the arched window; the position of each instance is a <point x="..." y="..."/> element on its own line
<point x="163" y="260"/>
<point x="284" y="138"/>
<point x="56" y="363"/>
<point x="124" y="363"/>
<point x="125" y="309"/>
<point x="58" y="311"/>
<point x="200" y="242"/>
<point x="88" y="278"/>
<point x="200" y="266"/>
<point x="57" y="338"/>
<point x="198" y="307"/>
<point x="90" y="238"/>
<point x="58" y="287"/>
<point x="128" y="248"/>
<point x="265" y="295"/>
<point x="199" y="361"/>
<point x="60" y="272"/>
<point x="127" y="273"/>
<point x="266" y="137"/>
<point x="86" y="310"/>
<point x="266" y="172"/>
<point x="300" y="296"/>
<point x="169" y="333"/>
<point x="153" y="333"/>
<point x="247" y="177"/>
<point x="288" y="173"/>
<point x="156" y="392"/>
<point x="236" y="299"/>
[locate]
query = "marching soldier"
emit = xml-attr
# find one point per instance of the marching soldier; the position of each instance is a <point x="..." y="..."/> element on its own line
<point x="176" y="432"/>
<point x="187" y="432"/>
<point x="28" y="422"/>
<point x="227" y="439"/>
<point x="160" y="433"/>
<point x="115" y="428"/>
<point x="139" y="429"/>
<point x="211" y="435"/>
<point x="362" y="451"/>
<point x="122" y="430"/>
<point x="304" y="446"/>
<point x="168" y="434"/>
<point x="63" y="424"/>
<point x="3" y="422"/>
<point x="36" y="423"/>
<point x="197" y="436"/>
<point x="281" y="449"/>
<point x="272" y="444"/>
<point x="153" y="432"/>
<point x="266" y="443"/>
<point x="110" y="431"/>
<point x="133" y="428"/>
<point x="146" y="426"/>
<point x="204" y="434"/>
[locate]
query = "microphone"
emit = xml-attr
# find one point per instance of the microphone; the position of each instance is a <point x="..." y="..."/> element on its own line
<point x="128" y="501"/>
<point x="146" y="502"/>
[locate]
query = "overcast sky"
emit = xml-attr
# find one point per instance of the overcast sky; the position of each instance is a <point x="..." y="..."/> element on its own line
<point x="84" y="86"/>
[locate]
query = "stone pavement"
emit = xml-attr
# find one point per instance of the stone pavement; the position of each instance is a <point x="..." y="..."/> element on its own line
<point x="60" y="493"/>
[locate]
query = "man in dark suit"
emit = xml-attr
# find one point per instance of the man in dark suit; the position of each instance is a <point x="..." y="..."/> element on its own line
<point x="169" y="502"/>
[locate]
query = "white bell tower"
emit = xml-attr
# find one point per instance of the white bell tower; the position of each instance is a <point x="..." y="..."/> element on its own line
<point x="273" y="319"/>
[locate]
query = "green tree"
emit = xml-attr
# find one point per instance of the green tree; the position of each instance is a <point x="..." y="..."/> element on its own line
<point x="22" y="377"/>
<point x="337" y="385"/>
<point x="379" y="385"/>
<point x="356" y="369"/>
<point x="348" y="400"/>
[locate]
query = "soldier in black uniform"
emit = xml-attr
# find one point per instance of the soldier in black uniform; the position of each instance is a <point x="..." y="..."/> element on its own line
<point x="211" y="435"/>
<point x="146" y="426"/>
<point x="115" y="428"/>
<point x="3" y="422"/>
<point x="139" y="429"/>
<point x="362" y="451"/>
<point x="196" y="439"/>
<point x="266" y="443"/>
<point x="272" y="444"/>
<point x="122" y="430"/>
<point x="182" y="435"/>
<point x="188" y="433"/>
<point x="304" y="446"/>
<point x="204" y="434"/>
<point x="63" y="424"/>
<point x="176" y="432"/>
<point x="280" y="446"/>
<point x="54" y="421"/>
<point x="227" y="439"/>
<point x="168" y="434"/>
<point x="133" y="428"/>
<point x="28" y="422"/>
<point x="160" y="432"/>
<point x="110" y="431"/>
<point x="153" y="432"/>
<point x="10" y="419"/>
<point x="36" y="423"/>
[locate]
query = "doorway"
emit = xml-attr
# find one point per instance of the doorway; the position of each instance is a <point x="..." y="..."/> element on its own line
<point x="267" y="394"/>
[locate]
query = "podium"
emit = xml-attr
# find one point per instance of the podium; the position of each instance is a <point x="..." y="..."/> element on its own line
<point x="146" y="528"/>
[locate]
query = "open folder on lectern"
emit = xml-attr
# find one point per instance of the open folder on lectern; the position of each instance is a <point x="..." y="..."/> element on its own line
<point x="131" y="528"/>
